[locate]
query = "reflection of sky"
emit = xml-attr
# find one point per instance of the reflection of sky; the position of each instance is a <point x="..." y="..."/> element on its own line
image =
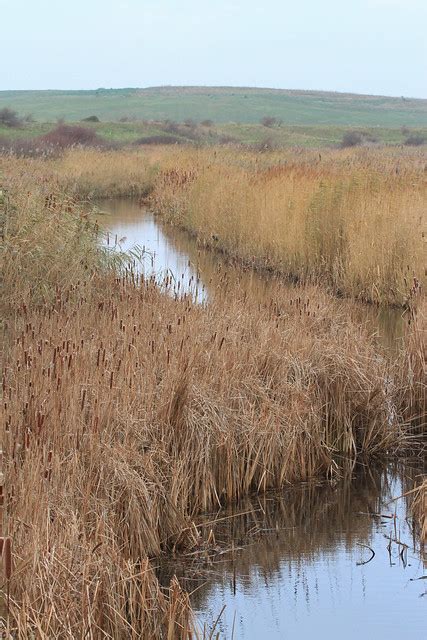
<point x="131" y="227"/>
<point x="326" y="595"/>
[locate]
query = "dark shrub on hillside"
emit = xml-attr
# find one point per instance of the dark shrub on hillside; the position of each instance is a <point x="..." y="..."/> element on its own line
<point x="68" y="136"/>
<point x="9" y="118"/>
<point x="270" y="121"/>
<point x="356" y="138"/>
<point x="352" y="139"/>
<point x="159" y="139"/>
<point x="170" y="126"/>
<point x="415" y="140"/>
<point x="207" y="123"/>
<point x="91" y="119"/>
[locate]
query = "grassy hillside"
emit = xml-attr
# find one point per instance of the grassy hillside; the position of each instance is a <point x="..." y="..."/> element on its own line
<point x="257" y="135"/>
<point x="220" y="104"/>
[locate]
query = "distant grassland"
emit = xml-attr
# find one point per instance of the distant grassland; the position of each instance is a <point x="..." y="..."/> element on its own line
<point x="220" y="104"/>
<point x="249" y="134"/>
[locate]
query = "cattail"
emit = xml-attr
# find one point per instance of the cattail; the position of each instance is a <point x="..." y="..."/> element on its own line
<point x="7" y="557"/>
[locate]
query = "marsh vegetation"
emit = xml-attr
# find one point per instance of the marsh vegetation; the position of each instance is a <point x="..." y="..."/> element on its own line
<point x="127" y="413"/>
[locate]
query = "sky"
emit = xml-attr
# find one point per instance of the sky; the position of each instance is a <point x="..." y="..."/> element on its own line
<point x="361" y="46"/>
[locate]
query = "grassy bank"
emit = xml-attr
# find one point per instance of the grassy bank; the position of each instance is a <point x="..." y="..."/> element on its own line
<point x="126" y="413"/>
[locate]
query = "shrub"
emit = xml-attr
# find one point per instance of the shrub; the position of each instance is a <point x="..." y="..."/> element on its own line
<point x="91" y="119"/>
<point x="207" y="123"/>
<point x="352" y="139"/>
<point x="415" y="140"/>
<point x="9" y="118"/>
<point x="270" y="121"/>
<point x="68" y="136"/>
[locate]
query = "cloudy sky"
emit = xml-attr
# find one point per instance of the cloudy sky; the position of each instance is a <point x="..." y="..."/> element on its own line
<point x="364" y="46"/>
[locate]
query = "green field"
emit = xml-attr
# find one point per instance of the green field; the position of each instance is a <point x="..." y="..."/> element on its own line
<point x="124" y="133"/>
<point x="220" y="104"/>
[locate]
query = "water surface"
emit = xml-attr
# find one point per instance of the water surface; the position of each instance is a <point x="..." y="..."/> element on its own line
<point x="301" y="565"/>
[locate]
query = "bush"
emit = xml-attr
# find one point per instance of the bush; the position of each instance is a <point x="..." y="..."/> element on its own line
<point x="9" y="118"/>
<point x="415" y="140"/>
<point x="68" y="136"/>
<point x="207" y="123"/>
<point x="270" y="121"/>
<point x="352" y="139"/>
<point x="91" y="119"/>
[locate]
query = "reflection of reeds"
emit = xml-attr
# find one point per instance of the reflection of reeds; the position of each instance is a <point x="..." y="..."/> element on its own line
<point x="296" y="526"/>
<point x="282" y="534"/>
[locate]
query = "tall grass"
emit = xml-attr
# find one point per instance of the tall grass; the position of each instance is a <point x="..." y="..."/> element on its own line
<point x="351" y="220"/>
<point x="127" y="413"/>
<point x="420" y="509"/>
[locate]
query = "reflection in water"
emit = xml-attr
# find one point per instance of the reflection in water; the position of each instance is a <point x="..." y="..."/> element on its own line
<point x="298" y="566"/>
<point x="176" y="262"/>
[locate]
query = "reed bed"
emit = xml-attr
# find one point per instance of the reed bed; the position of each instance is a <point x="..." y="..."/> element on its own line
<point x="353" y="222"/>
<point x="127" y="413"/>
<point x="411" y="371"/>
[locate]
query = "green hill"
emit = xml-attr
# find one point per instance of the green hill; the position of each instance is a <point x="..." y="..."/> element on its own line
<point x="220" y="104"/>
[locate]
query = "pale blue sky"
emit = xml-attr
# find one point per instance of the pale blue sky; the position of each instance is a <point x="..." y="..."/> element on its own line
<point x="364" y="46"/>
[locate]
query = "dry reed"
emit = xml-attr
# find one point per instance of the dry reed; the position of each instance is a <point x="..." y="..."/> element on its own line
<point x="127" y="413"/>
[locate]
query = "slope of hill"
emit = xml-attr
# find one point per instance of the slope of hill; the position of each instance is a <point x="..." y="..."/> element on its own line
<point x="220" y="104"/>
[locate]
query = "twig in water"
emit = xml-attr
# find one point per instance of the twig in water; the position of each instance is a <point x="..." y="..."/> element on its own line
<point x="372" y="556"/>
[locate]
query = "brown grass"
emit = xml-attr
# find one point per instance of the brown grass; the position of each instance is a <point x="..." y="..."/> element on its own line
<point x="350" y="220"/>
<point x="127" y="413"/>
<point x="420" y="509"/>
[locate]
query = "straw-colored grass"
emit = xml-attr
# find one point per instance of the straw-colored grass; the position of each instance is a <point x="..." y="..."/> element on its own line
<point x="353" y="221"/>
<point x="420" y="509"/>
<point x="127" y="413"/>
